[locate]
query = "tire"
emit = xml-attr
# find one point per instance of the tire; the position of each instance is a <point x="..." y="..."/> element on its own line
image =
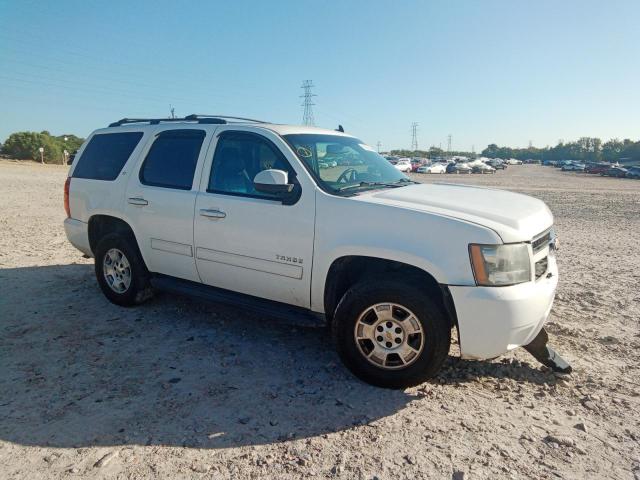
<point x="121" y="292"/>
<point x="355" y="308"/>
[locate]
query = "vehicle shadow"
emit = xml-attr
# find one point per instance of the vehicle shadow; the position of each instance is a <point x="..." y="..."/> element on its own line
<point x="78" y="371"/>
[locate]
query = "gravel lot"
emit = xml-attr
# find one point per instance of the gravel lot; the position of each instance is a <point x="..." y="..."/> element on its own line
<point x="179" y="388"/>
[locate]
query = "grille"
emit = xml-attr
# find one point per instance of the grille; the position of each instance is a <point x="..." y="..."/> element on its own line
<point x="541" y="241"/>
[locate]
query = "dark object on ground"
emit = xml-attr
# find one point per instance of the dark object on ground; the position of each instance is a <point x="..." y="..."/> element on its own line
<point x="547" y="355"/>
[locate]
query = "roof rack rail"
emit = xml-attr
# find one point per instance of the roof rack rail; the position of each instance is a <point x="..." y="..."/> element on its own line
<point x="151" y="121"/>
<point x="197" y="116"/>
<point x="205" y="119"/>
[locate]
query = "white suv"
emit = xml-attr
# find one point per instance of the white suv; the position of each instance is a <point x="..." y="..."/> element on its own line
<point x="241" y="211"/>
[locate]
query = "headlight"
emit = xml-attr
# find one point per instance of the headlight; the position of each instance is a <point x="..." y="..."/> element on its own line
<point x="500" y="265"/>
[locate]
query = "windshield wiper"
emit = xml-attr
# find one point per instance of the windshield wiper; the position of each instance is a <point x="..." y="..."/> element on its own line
<point x="400" y="183"/>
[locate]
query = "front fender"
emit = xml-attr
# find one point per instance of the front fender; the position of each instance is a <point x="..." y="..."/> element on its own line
<point x="434" y="243"/>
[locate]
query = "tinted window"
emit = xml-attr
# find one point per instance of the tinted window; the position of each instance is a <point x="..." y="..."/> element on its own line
<point x="238" y="159"/>
<point x="106" y="154"/>
<point x="171" y="161"/>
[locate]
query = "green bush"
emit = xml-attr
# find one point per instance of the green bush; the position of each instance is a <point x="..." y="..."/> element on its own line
<point x="25" y="146"/>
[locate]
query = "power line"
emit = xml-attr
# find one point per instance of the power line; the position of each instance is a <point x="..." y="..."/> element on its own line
<point x="414" y="136"/>
<point x="379" y="145"/>
<point x="307" y="118"/>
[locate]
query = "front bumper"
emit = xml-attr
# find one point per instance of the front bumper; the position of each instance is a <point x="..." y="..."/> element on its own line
<point x="494" y="320"/>
<point x="78" y="235"/>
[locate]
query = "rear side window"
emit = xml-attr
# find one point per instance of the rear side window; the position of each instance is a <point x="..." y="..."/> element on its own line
<point x="171" y="161"/>
<point x="106" y="154"/>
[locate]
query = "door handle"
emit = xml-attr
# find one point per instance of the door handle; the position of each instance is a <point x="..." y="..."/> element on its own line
<point x="137" y="201"/>
<point x="212" y="213"/>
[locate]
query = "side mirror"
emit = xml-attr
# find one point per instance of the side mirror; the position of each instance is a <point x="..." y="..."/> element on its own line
<point x="272" y="181"/>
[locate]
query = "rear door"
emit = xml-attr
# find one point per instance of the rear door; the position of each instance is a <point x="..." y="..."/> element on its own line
<point x="160" y="199"/>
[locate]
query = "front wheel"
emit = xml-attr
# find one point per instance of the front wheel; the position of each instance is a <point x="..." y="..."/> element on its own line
<point x="390" y="334"/>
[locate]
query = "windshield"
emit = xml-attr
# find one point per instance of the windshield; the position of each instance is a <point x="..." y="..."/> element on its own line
<point x="345" y="164"/>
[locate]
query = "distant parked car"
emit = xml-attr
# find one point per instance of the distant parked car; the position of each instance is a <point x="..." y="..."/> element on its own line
<point x="416" y="163"/>
<point x="615" y="172"/>
<point x="435" y="168"/>
<point x="634" y="172"/>
<point x="573" y="167"/>
<point x="513" y="161"/>
<point x="328" y="160"/>
<point x="597" y="167"/>
<point x="403" y="165"/>
<point x="458" y="168"/>
<point x="483" y="168"/>
<point x="497" y="164"/>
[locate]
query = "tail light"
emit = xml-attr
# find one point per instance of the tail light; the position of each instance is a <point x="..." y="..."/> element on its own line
<point x="66" y="197"/>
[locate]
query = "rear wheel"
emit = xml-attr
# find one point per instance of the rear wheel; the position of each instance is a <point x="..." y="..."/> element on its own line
<point x="120" y="270"/>
<point x="391" y="335"/>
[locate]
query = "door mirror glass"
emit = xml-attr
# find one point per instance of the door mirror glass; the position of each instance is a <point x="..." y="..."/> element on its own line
<point x="272" y="181"/>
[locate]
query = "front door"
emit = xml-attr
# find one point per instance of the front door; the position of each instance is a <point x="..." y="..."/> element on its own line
<point x="247" y="241"/>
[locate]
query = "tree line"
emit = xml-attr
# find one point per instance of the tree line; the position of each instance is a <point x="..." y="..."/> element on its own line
<point x="586" y="149"/>
<point x="431" y="153"/>
<point x="26" y="146"/>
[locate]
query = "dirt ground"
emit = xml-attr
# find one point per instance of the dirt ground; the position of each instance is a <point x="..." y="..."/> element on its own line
<point x="179" y="388"/>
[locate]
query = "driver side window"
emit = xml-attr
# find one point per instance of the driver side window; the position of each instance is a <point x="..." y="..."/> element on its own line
<point x="238" y="158"/>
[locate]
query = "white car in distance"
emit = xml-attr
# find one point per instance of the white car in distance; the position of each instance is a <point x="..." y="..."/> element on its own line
<point x="403" y="165"/>
<point x="435" y="168"/>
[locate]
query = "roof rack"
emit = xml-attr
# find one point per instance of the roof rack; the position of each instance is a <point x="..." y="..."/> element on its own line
<point x="205" y="119"/>
<point x="195" y="116"/>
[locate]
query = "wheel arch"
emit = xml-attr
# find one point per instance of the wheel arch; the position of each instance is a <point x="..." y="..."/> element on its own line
<point x="347" y="270"/>
<point x="101" y="224"/>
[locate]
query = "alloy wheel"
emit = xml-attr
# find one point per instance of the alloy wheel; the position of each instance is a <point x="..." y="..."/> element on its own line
<point x="116" y="270"/>
<point x="389" y="336"/>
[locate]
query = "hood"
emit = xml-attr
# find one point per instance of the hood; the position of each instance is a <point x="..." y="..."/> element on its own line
<point x="513" y="216"/>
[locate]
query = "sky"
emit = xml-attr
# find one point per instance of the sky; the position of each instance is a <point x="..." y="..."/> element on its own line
<point x="494" y="71"/>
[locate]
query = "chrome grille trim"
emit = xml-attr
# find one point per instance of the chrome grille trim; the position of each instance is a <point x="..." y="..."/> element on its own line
<point x="540" y="241"/>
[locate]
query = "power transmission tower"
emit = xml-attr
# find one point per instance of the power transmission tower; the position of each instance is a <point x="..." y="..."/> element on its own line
<point x="530" y="144"/>
<point x="449" y="144"/>
<point x="379" y="145"/>
<point x="307" y="118"/>
<point x="173" y="111"/>
<point x="414" y="136"/>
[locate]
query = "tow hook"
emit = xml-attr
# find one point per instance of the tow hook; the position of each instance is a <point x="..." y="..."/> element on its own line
<point x="547" y="355"/>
